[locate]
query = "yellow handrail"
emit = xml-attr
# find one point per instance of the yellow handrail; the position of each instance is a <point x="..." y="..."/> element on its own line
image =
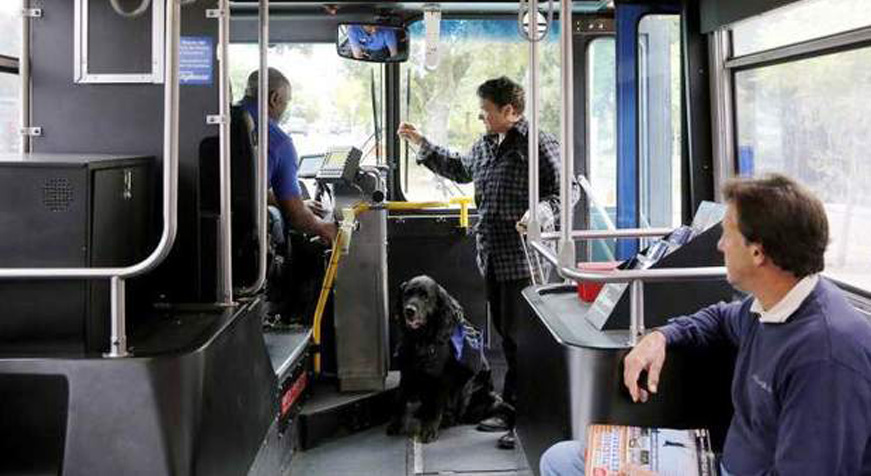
<point x="329" y="277"/>
<point x="463" y="202"/>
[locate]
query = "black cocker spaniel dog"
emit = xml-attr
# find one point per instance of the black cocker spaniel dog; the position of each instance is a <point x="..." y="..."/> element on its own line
<point x="441" y="361"/>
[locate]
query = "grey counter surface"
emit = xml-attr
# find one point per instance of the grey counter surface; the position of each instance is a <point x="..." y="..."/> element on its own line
<point x="564" y="314"/>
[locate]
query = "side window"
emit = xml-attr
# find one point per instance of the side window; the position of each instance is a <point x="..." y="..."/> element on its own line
<point x="10" y="98"/>
<point x="10" y="21"/>
<point x="809" y="118"/>
<point x="659" y="107"/>
<point x="799" y="21"/>
<point x="10" y="104"/>
<point x="444" y="104"/>
<point x="602" y="129"/>
<point x="602" y="142"/>
<point x="325" y="110"/>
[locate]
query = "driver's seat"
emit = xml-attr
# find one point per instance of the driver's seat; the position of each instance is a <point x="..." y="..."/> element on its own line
<point x="243" y="200"/>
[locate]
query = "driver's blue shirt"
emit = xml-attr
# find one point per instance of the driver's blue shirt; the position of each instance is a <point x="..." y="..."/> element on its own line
<point x="380" y="39"/>
<point x="282" y="157"/>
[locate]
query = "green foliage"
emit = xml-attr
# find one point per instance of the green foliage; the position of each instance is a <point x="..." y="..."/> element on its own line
<point x="445" y="101"/>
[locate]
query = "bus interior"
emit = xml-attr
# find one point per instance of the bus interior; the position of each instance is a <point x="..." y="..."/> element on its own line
<point x="159" y="319"/>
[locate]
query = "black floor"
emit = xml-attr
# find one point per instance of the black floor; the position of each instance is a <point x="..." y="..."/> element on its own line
<point x="459" y="450"/>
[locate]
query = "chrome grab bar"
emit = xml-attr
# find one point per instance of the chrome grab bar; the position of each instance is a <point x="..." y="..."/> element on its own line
<point x="605" y="234"/>
<point x="225" y="277"/>
<point x="567" y="123"/>
<point x="533" y="226"/>
<point x="118" y="342"/>
<point x="24" y="72"/>
<point x="262" y="147"/>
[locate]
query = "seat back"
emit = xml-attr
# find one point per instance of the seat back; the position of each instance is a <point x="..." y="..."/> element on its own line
<point x="243" y="201"/>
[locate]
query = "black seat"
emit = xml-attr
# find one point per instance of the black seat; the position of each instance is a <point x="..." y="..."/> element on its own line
<point x="243" y="159"/>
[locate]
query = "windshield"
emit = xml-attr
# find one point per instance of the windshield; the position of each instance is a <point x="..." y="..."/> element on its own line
<point x="444" y="103"/>
<point x="331" y="103"/>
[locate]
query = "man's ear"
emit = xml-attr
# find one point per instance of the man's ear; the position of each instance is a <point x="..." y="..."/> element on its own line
<point x="272" y="98"/>
<point x="758" y="254"/>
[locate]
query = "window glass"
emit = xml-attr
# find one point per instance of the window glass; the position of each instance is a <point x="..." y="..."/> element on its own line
<point x="797" y="22"/>
<point x="10" y="25"/>
<point x="331" y="103"/>
<point x="10" y="140"/>
<point x="602" y="121"/>
<point x="444" y="104"/>
<point x="659" y="108"/>
<point x="810" y="119"/>
<point x="602" y="142"/>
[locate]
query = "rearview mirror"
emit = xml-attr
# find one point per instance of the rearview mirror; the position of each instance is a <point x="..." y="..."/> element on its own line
<point x="372" y="42"/>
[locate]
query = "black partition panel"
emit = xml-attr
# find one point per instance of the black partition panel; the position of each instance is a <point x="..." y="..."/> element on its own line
<point x="33" y="415"/>
<point x="435" y="245"/>
<point x="125" y="119"/>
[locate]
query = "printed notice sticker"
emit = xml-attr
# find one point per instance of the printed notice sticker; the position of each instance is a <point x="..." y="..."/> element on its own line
<point x="195" y="60"/>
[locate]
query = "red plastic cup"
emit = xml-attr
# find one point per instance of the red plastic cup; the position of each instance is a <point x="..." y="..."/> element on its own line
<point x="588" y="291"/>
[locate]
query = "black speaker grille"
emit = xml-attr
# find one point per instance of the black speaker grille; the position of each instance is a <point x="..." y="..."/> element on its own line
<point x="57" y="194"/>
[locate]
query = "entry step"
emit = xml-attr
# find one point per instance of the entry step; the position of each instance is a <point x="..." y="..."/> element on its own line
<point x="329" y="414"/>
<point x="286" y="346"/>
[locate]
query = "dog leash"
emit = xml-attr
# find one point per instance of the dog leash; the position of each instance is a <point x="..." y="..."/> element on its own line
<point x="535" y="269"/>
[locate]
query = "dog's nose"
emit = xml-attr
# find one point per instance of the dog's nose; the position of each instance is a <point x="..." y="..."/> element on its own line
<point x="410" y="311"/>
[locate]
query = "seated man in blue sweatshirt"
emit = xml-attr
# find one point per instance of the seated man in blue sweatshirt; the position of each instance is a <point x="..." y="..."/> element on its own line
<point x="802" y="382"/>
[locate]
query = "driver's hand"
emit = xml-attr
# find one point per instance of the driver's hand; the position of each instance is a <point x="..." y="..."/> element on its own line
<point x="316" y="207"/>
<point x="649" y="355"/>
<point x="328" y="232"/>
<point x="410" y="133"/>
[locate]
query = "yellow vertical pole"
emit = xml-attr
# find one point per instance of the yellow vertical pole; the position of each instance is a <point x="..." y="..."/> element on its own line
<point x="329" y="278"/>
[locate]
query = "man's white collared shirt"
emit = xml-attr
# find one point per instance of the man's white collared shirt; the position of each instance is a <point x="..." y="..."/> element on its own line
<point x="781" y="311"/>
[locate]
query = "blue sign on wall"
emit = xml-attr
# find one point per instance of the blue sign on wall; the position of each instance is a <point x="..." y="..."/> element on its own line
<point x="195" y="60"/>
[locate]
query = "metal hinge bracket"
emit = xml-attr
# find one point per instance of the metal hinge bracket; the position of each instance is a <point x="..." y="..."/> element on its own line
<point x="32" y="12"/>
<point x="31" y="131"/>
<point x="215" y="13"/>
<point x="215" y="119"/>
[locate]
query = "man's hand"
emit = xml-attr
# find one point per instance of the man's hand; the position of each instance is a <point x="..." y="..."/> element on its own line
<point x="545" y="219"/>
<point x="648" y="355"/>
<point x="316" y="207"/>
<point x="328" y="232"/>
<point x="410" y="133"/>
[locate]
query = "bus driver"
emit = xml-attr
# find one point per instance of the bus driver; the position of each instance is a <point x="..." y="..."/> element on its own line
<point x="282" y="160"/>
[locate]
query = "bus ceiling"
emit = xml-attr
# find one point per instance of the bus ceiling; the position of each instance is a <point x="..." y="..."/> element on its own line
<point x="406" y="10"/>
<point x="714" y="12"/>
<point x="317" y="22"/>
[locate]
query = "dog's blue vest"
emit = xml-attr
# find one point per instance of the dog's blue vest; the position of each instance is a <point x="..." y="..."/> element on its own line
<point x="467" y="344"/>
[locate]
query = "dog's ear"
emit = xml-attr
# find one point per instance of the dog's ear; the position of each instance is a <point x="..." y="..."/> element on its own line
<point x="453" y="307"/>
<point x="450" y="311"/>
<point x="397" y="302"/>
